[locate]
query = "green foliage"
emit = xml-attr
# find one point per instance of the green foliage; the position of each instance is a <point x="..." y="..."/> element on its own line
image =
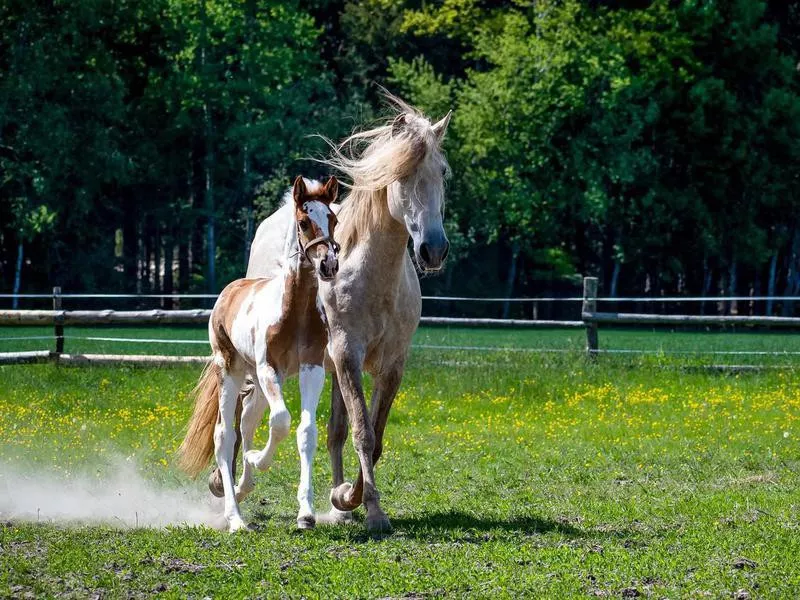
<point x="650" y="143"/>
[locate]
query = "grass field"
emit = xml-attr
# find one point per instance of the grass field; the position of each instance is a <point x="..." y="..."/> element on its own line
<point x="505" y="474"/>
<point x="676" y="347"/>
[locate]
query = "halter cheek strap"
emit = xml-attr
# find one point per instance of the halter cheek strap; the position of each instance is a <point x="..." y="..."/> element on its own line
<point x="316" y="241"/>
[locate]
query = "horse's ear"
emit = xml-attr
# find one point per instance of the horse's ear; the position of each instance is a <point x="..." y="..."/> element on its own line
<point x="299" y="191"/>
<point x="398" y="124"/>
<point x="441" y="127"/>
<point x="331" y="190"/>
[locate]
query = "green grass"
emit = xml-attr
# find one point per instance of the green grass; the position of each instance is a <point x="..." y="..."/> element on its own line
<point x="505" y="474"/>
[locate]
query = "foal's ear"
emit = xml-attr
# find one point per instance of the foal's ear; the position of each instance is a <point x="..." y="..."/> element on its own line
<point x="299" y="190"/>
<point x="331" y="190"/>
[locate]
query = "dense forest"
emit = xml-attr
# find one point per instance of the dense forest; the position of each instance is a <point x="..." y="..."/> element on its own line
<point x="653" y="144"/>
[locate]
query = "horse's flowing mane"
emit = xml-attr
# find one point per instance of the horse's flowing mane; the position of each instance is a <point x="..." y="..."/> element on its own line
<point x="375" y="158"/>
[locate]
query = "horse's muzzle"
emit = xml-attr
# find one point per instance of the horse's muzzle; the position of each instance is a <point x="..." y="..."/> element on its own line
<point x="431" y="257"/>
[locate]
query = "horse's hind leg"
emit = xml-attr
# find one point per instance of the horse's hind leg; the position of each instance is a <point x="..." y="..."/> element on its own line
<point x="224" y="440"/>
<point x="279" y="418"/>
<point x="312" y="379"/>
<point x="254" y="405"/>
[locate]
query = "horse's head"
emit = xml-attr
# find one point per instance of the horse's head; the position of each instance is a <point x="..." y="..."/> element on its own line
<point x="416" y="197"/>
<point x="315" y="225"/>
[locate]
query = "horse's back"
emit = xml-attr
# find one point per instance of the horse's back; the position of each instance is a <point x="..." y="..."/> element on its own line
<point x="266" y="251"/>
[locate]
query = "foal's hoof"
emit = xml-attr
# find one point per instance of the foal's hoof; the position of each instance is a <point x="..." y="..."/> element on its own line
<point x="236" y="524"/>
<point x="342" y="498"/>
<point x="215" y="483"/>
<point x="253" y="458"/>
<point x="306" y="522"/>
<point x="336" y="517"/>
<point x="378" y="523"/>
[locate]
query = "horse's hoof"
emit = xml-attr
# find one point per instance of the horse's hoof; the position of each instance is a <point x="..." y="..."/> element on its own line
<point x="215" y="483"/>
<point x="236" y="524"/>
<point x="306" y="522"/>
<point x="378" y="523"/>
<point x="341" y="498"/>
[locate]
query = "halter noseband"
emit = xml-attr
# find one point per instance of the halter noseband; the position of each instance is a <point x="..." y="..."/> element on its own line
<point x="303" y="250"/>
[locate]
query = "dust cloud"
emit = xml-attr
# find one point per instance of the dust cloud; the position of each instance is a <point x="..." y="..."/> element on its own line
<point x="124" y="499"/>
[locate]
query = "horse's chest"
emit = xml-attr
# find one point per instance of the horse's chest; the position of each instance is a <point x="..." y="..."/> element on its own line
<point x="298" y="337"/>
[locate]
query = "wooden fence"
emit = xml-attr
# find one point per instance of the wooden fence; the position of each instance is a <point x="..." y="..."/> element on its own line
<point x="591" y="319"/>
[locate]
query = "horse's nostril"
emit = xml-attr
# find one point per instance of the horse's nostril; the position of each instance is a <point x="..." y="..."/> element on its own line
<point x="424" y="252"/>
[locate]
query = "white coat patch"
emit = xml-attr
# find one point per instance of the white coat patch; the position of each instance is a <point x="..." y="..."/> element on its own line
<point x="318" y="212"/>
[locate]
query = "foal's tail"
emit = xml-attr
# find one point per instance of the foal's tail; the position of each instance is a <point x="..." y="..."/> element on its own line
<point x="198" y="445"/>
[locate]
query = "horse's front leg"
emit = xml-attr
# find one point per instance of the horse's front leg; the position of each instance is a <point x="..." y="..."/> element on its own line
<point x="312" y="379"/>
<point x="337" y="434"/>
<point x="347" y="497"/>
<point x="224" y="440"/>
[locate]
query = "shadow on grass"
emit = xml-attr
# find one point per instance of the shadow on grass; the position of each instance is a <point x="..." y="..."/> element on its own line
<point x="464" y="526"/>
<point x="454" y="526"/>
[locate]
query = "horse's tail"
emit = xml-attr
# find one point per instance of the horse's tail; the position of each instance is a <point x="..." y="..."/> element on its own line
<point x="198" y="445"/>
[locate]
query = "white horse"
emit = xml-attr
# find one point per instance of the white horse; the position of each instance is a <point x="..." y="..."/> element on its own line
<point x="268" y="328"/>
<point x="373" y="306"/>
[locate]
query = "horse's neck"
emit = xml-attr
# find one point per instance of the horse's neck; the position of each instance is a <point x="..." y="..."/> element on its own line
<point x="386" y="246"/>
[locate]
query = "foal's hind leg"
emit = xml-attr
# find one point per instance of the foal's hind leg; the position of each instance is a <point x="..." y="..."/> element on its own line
<point x="312" y="379"/>
<point x="224" y="440"/>
<point x="253" y="411"/>
<point x="279" y="418"/>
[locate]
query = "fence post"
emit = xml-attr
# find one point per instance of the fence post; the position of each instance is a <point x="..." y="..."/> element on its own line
<point x="58" y="321"/>
<point x="590" y="306"/>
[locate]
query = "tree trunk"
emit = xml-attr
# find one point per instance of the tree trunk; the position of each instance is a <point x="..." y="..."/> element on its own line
<point x="707" y="277"/>
<point x="248" y="227"/>
<point x="208" y="164"/>
<point x="791" y="274"/>
<point x="18" y="272"/>
<point x="169" y="259"/>
<point x="512" y="275"/>
<point x="147" y="237"/>
<point x="615" y="278"/>
<point x="773" y="268"/>
<point x="159" y="255"/>
<point x="130" y="243"/>
<point x="183" y="263"/>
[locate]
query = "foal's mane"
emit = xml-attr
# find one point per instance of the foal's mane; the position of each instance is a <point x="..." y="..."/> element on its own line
<point x="375" y="158"/>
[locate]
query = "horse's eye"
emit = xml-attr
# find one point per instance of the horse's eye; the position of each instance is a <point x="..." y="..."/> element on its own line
<point x="304" y="225"/>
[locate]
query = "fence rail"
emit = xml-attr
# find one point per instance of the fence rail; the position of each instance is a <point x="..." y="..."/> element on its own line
<point x="591" y="318"/>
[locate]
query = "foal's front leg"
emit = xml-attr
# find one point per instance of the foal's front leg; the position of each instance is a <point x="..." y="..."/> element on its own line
<point x="312" y="379"/>
<point x="279" y="418"/>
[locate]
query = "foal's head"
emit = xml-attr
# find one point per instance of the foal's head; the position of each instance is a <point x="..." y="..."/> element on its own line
<point x="315" y="225"/>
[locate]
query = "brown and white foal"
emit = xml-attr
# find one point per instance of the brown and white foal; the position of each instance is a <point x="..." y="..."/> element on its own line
<point x="269" y="329"/>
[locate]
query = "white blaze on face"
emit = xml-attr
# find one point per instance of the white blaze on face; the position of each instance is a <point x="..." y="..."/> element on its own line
<point x="319" y="213"/>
